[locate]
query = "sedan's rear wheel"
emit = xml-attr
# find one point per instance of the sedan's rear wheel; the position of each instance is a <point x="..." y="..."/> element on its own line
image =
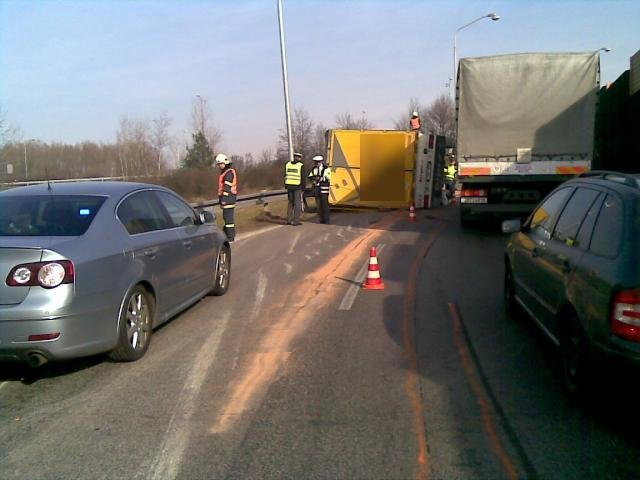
<point x="134" y="326"/>
<point x="223" y="271"/>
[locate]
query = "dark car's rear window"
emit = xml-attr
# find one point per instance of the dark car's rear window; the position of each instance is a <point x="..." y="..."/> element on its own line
<point x="47" y="215"/>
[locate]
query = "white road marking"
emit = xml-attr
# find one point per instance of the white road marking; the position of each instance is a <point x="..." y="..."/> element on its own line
<point x="308" y="257"/>
<point x="316" y="252"/>
<point x="325" y="239"/>
<point x="352" y="292"/>
<point x="288" y="268"/>
<point x="349" y="229"/>
<point x="256" y="232"/>
<point x="260" y="291"/>
<point x="3" y="384"/>
<point x="295" y="240"/>
<point x="340" y="233"/>
<point x="166" y="464"/>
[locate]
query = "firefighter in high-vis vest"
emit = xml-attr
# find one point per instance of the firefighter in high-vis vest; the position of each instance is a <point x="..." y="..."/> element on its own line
<point x="294" y="177"/>
<point x="227" y="193"/>
<point x="321" y="179"/>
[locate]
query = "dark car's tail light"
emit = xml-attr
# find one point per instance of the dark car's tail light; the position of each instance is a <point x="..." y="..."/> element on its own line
<point x="44" y="274"/>
<point x="625" y="315"/>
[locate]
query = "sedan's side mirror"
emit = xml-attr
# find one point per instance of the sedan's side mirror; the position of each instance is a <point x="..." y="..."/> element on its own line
<point x="207" y="217"/>
<point x="511" y="226"/>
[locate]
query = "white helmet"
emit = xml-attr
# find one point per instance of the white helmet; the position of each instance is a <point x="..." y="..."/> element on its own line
<point x="318" y="158"/>
<point x="415" y="114"/>
<point x="222" y="158"/>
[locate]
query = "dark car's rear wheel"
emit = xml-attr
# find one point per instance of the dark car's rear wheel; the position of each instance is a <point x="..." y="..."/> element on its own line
<point x="573" y="352"/>
<point x="223" y="271"/>
<point x="134" y="326"/>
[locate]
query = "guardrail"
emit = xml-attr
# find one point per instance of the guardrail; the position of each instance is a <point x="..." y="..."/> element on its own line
<point x="260" y="196"/>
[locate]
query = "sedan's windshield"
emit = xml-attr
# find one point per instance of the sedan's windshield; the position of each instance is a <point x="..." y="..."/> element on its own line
<point x="47" y="215"/>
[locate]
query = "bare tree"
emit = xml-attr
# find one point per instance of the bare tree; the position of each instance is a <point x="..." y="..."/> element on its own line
<point x="266" y="156"/>
<point x="320" y="139"/>
<point x="302" y="132"/>
<point x="440" y="116"/>
<point x="346" y="121"/>
<point x="134" y="147"/>
<point x="160" y="138"/>
<point x="202" y="121"/>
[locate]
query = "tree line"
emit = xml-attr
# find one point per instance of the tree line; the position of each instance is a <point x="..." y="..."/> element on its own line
<point x="146" y="148"/>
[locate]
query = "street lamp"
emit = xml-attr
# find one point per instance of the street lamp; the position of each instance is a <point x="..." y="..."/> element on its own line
<point x="493" y="16"/>
<point x="201" y="112"/>
<point x="26" y="165"/>
<point x="604" y="49"/>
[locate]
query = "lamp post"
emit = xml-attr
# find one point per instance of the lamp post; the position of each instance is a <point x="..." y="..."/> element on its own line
<point x="26" y="164"/>
<point x="493" y="16"/>
<point x="201" y="112"/>
<point x="285" y="79"/>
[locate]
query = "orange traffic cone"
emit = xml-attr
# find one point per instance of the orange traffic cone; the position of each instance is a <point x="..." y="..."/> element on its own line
<point x="412" y="213"/>
<point x="374" y="281"/>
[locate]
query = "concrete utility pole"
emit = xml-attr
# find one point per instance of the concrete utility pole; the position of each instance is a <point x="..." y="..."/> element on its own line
<point x="285" y="80"/>
<point x="493" y="16"/>
<point x="26" y="164"/>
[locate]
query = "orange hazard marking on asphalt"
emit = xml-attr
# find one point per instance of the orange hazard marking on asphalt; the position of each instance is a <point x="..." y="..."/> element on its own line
<point x="412" y="385"/>
<point x="481" y="396"/>
<point x="295" y="309"/>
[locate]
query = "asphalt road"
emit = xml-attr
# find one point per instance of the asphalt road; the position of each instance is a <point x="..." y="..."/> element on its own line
<point x="298" y="373"/>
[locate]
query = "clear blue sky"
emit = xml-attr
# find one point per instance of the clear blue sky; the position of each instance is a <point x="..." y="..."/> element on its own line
<point x="70" y="69"/>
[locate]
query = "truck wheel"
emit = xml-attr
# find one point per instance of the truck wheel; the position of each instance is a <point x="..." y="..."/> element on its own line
<point x="465" y="221"/>
<point x="134" y="326"/>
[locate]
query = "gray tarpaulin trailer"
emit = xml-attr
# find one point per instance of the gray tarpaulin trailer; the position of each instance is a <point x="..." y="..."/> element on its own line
<point x="525" y="123"/>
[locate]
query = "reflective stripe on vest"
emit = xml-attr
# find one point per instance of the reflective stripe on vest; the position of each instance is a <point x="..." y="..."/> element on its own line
<point x="293" y="175"/>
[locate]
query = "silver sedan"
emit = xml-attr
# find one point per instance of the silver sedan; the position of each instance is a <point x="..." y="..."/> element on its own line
<point x="92" y="267"/>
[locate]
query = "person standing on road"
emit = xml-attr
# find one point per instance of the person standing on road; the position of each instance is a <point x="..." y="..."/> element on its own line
<point x="227" y="193"/>
<point x="321" y="179"/>
<point x="294" y="176"/>
<point x="450" y="173"/>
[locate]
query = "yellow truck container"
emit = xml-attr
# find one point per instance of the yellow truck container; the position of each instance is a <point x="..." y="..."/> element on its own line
<point x="372" y="168"/>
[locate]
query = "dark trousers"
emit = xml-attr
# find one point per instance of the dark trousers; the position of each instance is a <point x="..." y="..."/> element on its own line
<point x="229" y="225"/>
<point x="295" y="205"/>
<point x="322" y="203"/>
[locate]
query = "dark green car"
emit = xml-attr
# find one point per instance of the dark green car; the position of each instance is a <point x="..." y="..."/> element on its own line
<point x="574" y="267"/>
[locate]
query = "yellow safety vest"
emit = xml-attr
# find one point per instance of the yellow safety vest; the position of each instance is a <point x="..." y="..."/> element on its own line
<point x="293" y="175"/>
<point x="450" y="172"/>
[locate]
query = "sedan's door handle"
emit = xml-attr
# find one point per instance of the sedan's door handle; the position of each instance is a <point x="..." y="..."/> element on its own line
<point x="187" y="243"/>
<point x="150" y="252"/>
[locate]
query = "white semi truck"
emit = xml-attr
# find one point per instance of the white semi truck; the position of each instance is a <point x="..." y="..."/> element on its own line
<point x="525" y="123"/>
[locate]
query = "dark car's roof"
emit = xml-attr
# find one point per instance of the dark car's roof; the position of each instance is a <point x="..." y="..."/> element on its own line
<point x="618" y="184"/>
<point x="80" y="188"/>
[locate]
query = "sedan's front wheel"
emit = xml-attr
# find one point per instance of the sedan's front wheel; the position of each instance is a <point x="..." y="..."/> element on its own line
<point x="134" y="326"/>
<point x="223" y="272"/>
